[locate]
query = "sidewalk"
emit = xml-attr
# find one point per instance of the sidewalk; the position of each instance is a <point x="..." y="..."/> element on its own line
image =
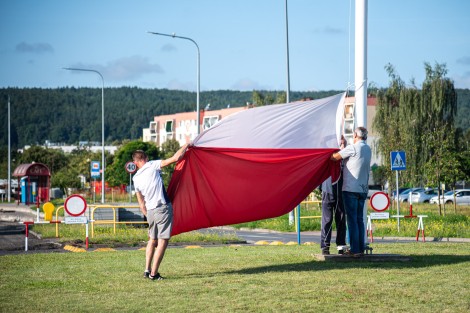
<point x="12" y="231"/>
<point x="12" y="212"/>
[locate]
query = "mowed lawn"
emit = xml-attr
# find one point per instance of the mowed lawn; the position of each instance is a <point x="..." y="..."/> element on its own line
<point x="239" y="279"/>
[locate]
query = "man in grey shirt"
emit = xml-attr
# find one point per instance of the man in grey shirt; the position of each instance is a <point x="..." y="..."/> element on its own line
<point x="355" y="187"/>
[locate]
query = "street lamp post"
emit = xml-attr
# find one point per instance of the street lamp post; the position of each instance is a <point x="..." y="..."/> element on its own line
<point x="102" y="126"/>
<point x="9" y="155"/>
<point x="198" y="72"/>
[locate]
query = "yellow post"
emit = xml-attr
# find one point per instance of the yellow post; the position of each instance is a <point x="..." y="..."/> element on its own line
<point x="295" y="218"/>
<point x="57" y="224"/>
<point x="114" y="219"/>
<point x="48" y="209"/>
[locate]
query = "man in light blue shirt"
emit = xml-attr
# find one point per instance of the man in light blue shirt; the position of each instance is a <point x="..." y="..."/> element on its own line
<point x="355" y="187"/>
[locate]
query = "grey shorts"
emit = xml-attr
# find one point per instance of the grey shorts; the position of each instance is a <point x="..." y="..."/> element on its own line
<point x="160" y="221"/>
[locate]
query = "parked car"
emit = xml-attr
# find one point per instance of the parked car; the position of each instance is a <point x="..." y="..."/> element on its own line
<point x="423" y="196"/>
<point x="462" y="196"/>
<point x="400" y="190"/>
<point x="403" y="197"/>
<point x="434" y="200"/>
<point x="373" y="189"/>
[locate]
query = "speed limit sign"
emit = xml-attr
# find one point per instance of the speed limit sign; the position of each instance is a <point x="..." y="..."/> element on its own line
<point x="131" y="167"/>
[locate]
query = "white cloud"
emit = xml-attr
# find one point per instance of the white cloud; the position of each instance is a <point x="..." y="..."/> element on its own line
<point x="462" y="81"/>
<point x="464" y="60"/>
<point x="37" y="48"/>
<point x="177" y="85"/>
<point x="329" y="30"/>
<point x="124" y="69"/>
<point x="246" y="84"/>
<point x="168" y="48"/>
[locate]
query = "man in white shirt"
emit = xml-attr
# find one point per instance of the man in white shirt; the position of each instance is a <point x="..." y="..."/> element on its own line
<point x="355" y="187"/>
<point x="155" y="205"/>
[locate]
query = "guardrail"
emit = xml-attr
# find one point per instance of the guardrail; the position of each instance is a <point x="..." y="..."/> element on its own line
<point x="113" y="221"/>
<point x="297" y="212"/>
<point x="57" y="218"/>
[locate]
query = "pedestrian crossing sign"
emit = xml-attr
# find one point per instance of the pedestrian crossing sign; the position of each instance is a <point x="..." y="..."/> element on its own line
<point x="398" y="159"/>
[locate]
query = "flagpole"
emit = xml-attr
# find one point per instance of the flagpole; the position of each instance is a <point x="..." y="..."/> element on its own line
<point x="291" y="213"/>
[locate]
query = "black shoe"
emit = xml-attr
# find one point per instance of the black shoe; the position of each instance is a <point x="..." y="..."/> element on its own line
<point x="156" y="277"/>
<point x="146" y="274"/>
<point x="325" y="251"/>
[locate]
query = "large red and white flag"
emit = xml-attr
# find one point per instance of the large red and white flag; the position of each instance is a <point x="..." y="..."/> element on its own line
<point x="256" y="164"/>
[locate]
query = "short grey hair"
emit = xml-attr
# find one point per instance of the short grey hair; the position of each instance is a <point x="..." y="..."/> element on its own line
<point x="361" y="132"/>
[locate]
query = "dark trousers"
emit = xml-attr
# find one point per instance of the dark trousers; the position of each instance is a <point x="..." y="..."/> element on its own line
<point x="332" y="208"/>
<point x="354" y="205"/>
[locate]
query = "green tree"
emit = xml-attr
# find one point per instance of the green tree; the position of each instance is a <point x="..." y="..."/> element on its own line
<point x="258" y="98"/>
<point x="54" y="159"/>
<point x="420" y="122"/>
<point x="116" y="172"/>
<point x="379" y="174"/>
<point x="442" y="165"/>
<point x="169" y="148"/>
<point x="281" y="97"/>
<point x="386" y="119"/>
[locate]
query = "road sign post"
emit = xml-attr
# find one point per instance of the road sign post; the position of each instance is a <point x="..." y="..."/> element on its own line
<point x="131" y="168"/>
<point x="398" y="162"/>
<point x="95" y="173"/>
<point x="75" y="206"/>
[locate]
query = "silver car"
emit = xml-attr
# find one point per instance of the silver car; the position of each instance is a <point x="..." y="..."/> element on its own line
<point x="403" y="197"/>
<point x="462" y="196"/>
<point x="422" y="196"/>
<point x="434" y="200"/>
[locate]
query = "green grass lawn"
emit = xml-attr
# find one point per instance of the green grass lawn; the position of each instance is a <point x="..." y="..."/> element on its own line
<point x="239" y="279"/>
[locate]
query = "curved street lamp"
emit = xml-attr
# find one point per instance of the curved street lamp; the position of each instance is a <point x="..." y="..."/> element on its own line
<point x="102" y="125"/>
<point x="198" y="71"/>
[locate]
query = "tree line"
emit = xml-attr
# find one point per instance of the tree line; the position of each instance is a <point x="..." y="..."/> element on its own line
<point x="69" y="115"/>
<point x="425" y="124"/>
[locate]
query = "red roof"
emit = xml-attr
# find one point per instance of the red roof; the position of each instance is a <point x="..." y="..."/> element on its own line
<point x="32" y="169"/>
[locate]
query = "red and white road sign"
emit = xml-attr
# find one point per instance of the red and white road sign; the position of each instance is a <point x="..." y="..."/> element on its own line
<point x="379" y="201"/>
<point x="75" y="205"/>
<point x="131" y="167"/>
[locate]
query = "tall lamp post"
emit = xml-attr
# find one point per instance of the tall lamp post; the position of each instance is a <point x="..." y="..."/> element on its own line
<point x="9" y="154"/>
<point x="198" y="71"/>
<point x="102" y="126"/>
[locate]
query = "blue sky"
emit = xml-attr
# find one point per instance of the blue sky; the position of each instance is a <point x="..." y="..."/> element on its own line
<point x="242" y="42"/>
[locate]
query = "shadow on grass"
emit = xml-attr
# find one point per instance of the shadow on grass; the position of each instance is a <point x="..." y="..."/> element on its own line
<point x="314" y="265"/>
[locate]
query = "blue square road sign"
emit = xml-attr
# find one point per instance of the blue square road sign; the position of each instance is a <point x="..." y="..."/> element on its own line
<point x="398" y="160"/>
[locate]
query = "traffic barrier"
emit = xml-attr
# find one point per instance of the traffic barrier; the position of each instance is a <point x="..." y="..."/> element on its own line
<point x="113" y="221"/>
<point x="369" y="228"/>
<point x="420" y="227"/>
<point x="297" y="218"/>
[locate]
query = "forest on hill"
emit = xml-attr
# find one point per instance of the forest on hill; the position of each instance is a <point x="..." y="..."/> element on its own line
<point x="69" y="115"/>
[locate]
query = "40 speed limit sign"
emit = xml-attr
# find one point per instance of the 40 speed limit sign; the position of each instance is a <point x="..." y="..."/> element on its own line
<point x="131" y="168"/>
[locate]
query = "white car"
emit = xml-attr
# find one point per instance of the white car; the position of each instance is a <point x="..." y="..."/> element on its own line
<point x="403" y="197"/>
<point x="462" y="196"/>
<point x="434" y="199"/>
<point x="423" y="196"/>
